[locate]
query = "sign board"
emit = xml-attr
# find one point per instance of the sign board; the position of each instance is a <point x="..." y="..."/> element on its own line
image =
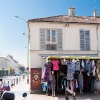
<point x="36" y="78"/>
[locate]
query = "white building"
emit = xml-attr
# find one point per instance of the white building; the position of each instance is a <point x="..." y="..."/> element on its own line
<point x="5" y="65"/>
<point x="63" y="35"/>
<point x="13" y="63"/>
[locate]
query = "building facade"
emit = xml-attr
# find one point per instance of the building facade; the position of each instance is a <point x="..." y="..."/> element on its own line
<point x="13" y="63"/>
<point x="63" y="35"/>
<point x="5" y="65"/>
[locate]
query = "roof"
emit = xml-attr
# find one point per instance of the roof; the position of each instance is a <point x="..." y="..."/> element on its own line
<point x="4" y="58"/>
<point x="68" y="19"/>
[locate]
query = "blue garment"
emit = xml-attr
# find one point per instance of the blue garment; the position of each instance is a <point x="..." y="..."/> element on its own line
<point x="83" y="64"/>
<point x="43" y="87"/>
<point x="90" y="67"/>
<point x="73" y="67"/>
<point x="87" y="65"/>
<point x="65" y="83"/>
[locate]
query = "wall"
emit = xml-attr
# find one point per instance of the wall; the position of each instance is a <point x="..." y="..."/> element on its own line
<point x="13" y="64"/>
<point x="70" y="35"/>
<point x="71" y="41"/>
<point x="4" y="63"/>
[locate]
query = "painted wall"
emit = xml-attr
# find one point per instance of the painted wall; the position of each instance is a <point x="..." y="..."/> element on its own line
<point x="71" y="40"/>
<point x="4" y="63"/>
<point x="13" y="64"/>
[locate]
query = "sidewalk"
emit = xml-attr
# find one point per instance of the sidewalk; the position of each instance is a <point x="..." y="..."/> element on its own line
<point x="24" y="87"/>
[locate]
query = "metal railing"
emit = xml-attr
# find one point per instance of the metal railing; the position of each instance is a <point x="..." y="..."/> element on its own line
<point x="51" y="47"/>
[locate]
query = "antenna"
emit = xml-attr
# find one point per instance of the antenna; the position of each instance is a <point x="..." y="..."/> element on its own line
<point x="94" y="4"/>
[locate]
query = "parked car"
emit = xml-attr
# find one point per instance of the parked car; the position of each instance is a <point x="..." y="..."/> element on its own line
<point x="17" y="74"/>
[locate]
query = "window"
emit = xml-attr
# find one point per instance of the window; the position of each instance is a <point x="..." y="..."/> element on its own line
<point x="51" y="43"/>
<point x="50" y="39"/>
<point x="84" y="40"/>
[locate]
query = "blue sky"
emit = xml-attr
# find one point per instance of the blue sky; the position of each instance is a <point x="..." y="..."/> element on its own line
<point x="11" y="39"/>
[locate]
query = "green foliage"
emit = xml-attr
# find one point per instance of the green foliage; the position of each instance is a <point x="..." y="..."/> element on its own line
<point x="11" y="68"/>
<point x="2" y="72"/>
<point x="22" y="68"/>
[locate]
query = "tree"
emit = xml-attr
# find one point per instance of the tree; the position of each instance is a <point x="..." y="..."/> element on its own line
<point x="11" y="70"/>
<point x="22" y="68"/>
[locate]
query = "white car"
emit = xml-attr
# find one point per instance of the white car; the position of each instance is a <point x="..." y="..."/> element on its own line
<point x="17" y="74"/>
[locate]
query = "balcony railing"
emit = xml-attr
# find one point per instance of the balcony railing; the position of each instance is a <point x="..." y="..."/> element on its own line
<point x="51" y="47"/>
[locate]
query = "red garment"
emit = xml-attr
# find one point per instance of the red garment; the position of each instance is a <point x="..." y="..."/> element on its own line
<point x="55" y="64"/>
<point x="1" y="88"/>
<point x="8" y="88"/>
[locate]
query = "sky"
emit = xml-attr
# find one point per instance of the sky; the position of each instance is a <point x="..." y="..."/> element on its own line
<point x="12" y="41"/>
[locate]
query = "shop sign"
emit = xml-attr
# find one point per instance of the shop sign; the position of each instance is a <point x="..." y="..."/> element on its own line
<point x="36" y="78"/>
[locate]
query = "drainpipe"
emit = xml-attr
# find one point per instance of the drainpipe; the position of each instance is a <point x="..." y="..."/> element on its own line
<point x="97" y="40"/>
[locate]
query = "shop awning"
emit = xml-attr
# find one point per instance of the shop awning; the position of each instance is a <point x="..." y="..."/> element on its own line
<point x="70" y="56"/>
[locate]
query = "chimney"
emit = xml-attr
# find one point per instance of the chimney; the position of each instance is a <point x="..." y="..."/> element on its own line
<point x="71" y="12"/>
<point x="95" y="13"/>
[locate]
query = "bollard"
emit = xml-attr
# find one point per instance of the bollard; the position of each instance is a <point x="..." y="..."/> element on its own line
<point x="14" y="82"/>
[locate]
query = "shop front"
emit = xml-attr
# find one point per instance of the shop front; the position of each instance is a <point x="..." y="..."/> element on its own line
<point x="78" y="73"/>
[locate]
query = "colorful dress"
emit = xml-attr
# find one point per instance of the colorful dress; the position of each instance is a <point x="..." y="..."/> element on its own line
<point x="47" y="77"/>
<point x="55" y="65"/>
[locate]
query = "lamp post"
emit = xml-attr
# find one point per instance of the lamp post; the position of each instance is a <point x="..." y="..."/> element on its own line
<point x="28" y="35"/>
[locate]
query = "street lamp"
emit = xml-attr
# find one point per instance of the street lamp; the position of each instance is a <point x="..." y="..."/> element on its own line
<point x="28" y="35"/>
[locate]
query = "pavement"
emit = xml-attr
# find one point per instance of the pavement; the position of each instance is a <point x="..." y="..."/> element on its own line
<point x="24" y="87"/>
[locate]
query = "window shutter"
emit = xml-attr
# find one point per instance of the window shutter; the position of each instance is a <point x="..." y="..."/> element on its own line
<point x="87" y="40"/>
<point x="82" y="40"/>
<point x="42" y="39"/>
<point x="59" y="39"/>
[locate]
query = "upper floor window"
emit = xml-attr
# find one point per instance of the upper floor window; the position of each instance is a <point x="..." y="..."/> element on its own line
<point x="50" y="39"/>
<point x="84" y="40"/>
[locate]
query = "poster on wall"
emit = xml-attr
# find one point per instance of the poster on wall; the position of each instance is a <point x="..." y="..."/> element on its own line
<point x="36" y="78"/>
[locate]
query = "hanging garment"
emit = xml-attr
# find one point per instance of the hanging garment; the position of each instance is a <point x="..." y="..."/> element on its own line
<point x="83" y="64"/>
<point x="92" y="65"/>
<point x="43" y="87"/>
<point x="87" y="65"/>
<point x="73" y="67"/>
<point x="68" y="67"/>
<point x="64" y="62"/>
<point x="69" y="72"/>
<point x="70" y="76"/>
<point x="55" y="64"/>
<point x="64" y="69"/>
<point x="76" y="84"/>
<point x="47" y="77"/>
<point x="77" y="64"/>
<point x="43" y="71"/>
<point x="89" y="68"/>
<point x="80" y="80"/>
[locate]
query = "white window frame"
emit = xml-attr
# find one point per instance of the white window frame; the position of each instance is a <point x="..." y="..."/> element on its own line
<point x="50" y="36"/>
<point x="85" y="40"/>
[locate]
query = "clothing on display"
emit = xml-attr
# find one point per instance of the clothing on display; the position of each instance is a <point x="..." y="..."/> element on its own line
<point x="64" y="62"/>
<point x="55" y="64"/>
<point x="80" y="80"/>
<point x="67" y="74"/>
<point x="47" y="77"/>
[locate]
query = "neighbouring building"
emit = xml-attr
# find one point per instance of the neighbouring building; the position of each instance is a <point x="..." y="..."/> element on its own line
<point x="62" y="35"/>
<point x="13" y="63"/>
<point x="4" y="65"/>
